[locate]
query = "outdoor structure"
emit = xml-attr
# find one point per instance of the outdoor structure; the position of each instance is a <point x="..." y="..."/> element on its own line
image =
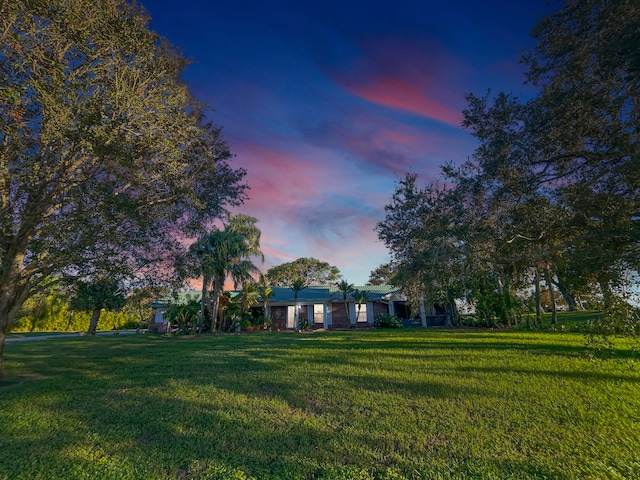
<point x="324" y="307"/>
<point x="158" y="323"/>
<point x="318" y="306"/>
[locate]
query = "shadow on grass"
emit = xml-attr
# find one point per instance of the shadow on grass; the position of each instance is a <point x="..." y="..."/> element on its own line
<point x="267" y="406"/>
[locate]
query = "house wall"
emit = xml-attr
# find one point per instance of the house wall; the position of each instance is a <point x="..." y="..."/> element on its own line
<point x="339" y="317"/>
<point x="379" y="307"/>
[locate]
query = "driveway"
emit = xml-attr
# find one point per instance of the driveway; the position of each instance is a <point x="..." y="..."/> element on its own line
<point x="31" y="338"/>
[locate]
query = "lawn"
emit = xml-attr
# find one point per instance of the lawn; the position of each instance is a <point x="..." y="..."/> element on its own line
<point x="417" y="404"/>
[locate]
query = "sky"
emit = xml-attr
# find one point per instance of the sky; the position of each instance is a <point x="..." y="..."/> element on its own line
<point x="327" y="104"/>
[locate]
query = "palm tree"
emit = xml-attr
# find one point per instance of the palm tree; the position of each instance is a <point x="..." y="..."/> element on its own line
<point x="345" y="288"/>
<point x="297" y="285"/>
<point x="360" y="297"/>
<point x="267" y="293"/>
<point x="224" y="253"/>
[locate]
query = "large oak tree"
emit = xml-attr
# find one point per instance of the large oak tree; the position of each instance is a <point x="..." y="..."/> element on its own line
<point x="104" y="153"/>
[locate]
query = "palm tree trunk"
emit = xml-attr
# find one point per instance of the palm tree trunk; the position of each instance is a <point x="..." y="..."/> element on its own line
<point x="93" y="323"/>
<point x="215" y="301"/>
<point x="206" y="281"/>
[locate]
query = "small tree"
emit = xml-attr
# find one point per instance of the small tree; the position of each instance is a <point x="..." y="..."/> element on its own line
<point x="345" y="288"/>
<point x="360" y="297"/>
<point x="266" y="293"/>
<point x="312" y="270"/>
<point x="95" y="296"/>
<point x="297" y="285"/>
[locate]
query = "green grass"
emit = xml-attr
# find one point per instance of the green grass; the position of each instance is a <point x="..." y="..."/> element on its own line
<point x="415" y="404"/>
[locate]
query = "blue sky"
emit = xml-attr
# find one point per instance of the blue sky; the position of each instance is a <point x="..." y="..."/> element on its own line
<point x="328" y="104"/>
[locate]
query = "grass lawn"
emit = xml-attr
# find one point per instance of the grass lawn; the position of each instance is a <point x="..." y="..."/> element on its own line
<point x="417" y="404"/>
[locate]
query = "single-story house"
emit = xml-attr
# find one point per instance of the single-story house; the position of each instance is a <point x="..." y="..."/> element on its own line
<point x="321" y="306"/>
<point x="324" y="306"/>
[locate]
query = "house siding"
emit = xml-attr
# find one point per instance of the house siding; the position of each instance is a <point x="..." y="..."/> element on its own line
<point x="379" y="307"/>
<point x="339" y="316"/>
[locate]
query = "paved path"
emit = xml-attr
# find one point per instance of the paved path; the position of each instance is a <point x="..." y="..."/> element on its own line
<point x="30" y="338"/>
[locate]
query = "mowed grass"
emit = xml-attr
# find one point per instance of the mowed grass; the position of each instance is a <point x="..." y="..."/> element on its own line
<point x="416" y="404"/>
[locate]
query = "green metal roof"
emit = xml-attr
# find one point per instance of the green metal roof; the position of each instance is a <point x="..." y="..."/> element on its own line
<point x="285" y="294"/>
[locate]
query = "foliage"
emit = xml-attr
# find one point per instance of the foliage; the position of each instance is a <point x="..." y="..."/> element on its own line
<point x="382" y="274"/>
<point x="385" y="320"/>
<point x="551" y="178"/>
<point x="101" y="293"/>
<point x="420" y="403"/>
<point x="222" y="253"/>
<point x="311" y="270"/>
<point x="621" y="321"/>
<point x="105" y="154"/>
<point x="185" y="316"/>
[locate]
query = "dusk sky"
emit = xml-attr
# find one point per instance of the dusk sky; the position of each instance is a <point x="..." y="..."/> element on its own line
<point x="328" y="103"/>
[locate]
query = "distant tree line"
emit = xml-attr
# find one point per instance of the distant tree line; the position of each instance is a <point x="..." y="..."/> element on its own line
<point x="551" y="195"/>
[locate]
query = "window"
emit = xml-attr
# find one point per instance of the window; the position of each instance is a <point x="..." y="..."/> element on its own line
<point x="318" y="313"/>
<point x="361" y="312"/>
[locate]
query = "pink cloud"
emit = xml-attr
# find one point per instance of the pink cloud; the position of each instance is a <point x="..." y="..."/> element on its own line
<point x="404" y="95"/>
<point x="425" y="80"/>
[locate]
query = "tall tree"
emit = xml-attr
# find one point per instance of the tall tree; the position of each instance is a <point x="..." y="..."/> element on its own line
<point x="223" y="253"/>
<point x="313" y="271"/>
<point x="104" y="154"/>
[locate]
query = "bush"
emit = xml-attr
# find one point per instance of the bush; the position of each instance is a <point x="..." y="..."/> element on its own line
<point x="384" y="320"/>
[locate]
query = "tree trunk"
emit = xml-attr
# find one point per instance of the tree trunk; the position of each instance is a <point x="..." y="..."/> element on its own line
<point x="11" y="301"/>
<point x="505" y="302"/>
<point x="571" y="301"/>
<point x="538" y="320"/>
<point x="215" y="301"/>
<point x="70" y="321"/>
<point x="423" y="313"/>
<point x="93" y="323"/>
<point x="203" y="300"/>
<point x="2" y="339"/>
<point x="346" y="309"/>
<point x="552" y="294"/>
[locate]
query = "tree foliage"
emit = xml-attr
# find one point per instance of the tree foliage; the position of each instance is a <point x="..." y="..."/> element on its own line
<point x="313" y="271"/>
<point x="552" y="191"/>
<point x="104" y="153"/>
<point x="222" y="253"/>
<point x="94" y="296"/>
<point x="382" y="274"/>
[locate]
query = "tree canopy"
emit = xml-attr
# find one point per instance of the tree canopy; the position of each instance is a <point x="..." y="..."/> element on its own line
<point x="311" y="270"/>
<point x="224" y="253"/>
<point x="553" y="188"/>
<point x="104" y="153"/>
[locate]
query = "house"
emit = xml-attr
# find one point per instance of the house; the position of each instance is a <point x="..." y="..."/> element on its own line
<point x="324" y="307"/>
<point x="320" y="306"/>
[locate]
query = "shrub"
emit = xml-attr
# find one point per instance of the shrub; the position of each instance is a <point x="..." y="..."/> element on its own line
<point x="384" y="320"/>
